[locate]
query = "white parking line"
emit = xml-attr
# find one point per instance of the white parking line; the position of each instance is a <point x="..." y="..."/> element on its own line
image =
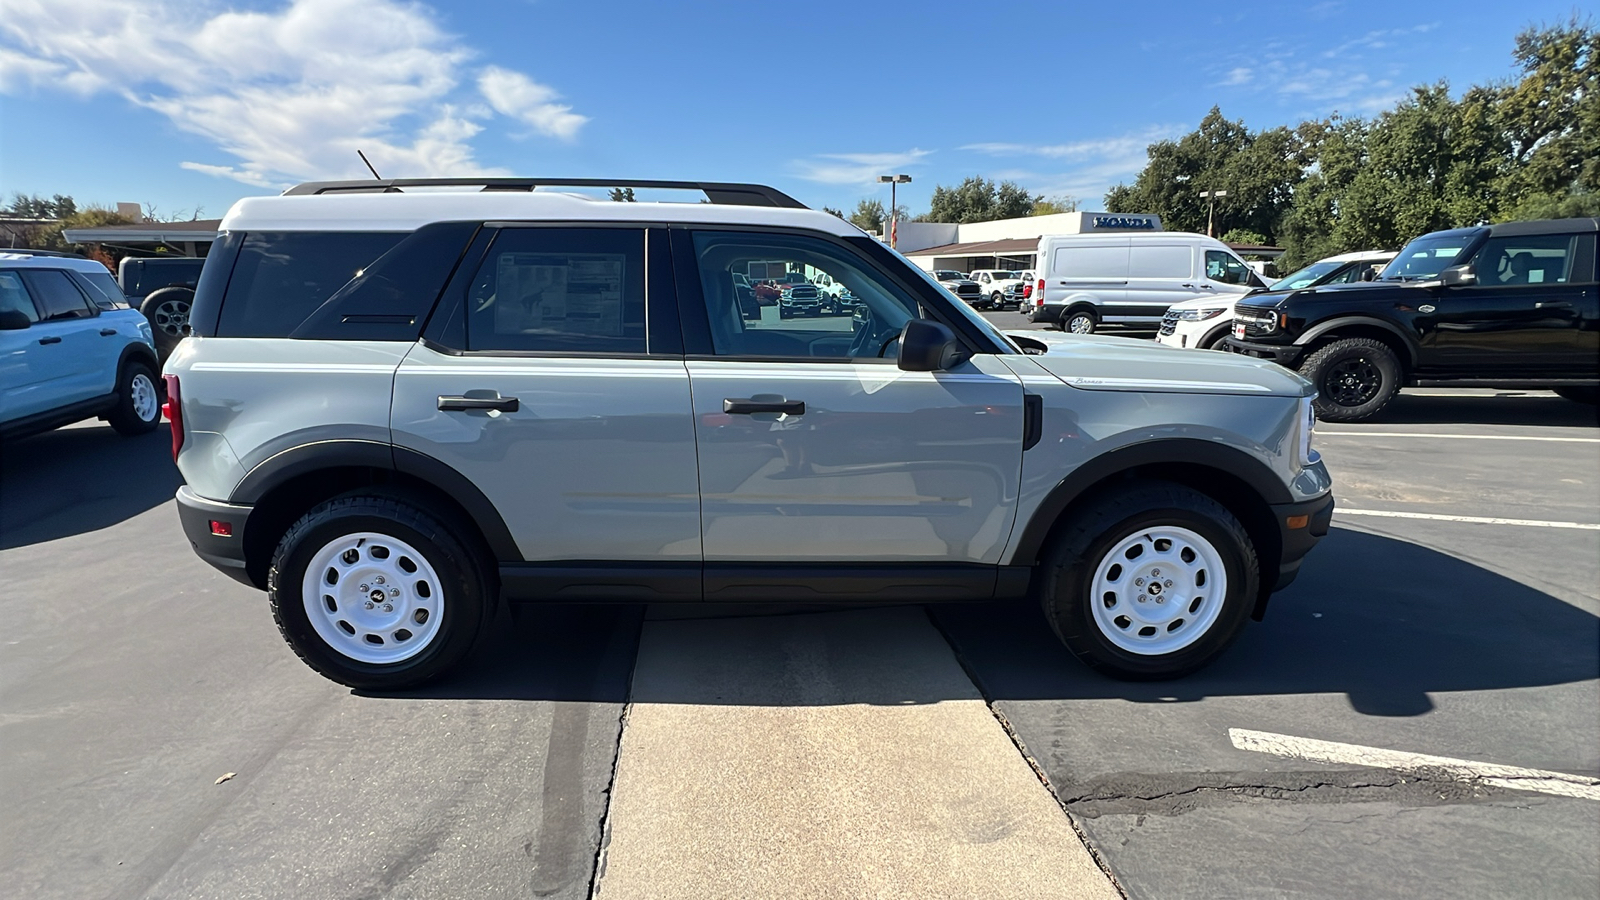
<point x="1466" y="437"/>
<point x="1561" y="784"/>
<point x="1475" y="520"/>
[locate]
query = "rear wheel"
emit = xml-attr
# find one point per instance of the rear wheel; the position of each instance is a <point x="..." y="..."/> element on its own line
<point x="1148" y="582"/>
<point x="138" y="409"/>
<point x="1079" y="321"/>
<point x="376" y="594"/>
<point x="1355" y="378"/>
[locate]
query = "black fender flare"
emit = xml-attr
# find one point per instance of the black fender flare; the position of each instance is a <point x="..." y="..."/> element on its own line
<point x="142" y="352"/>
<point x="307" y="458"/>
<point x="1188" y="451"/>
<point x="1408" y="341"/>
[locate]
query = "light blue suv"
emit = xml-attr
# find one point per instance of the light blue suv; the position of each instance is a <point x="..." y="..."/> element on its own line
<point x="71" y="349"/>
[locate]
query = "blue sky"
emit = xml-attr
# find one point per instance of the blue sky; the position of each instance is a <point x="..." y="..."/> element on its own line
<point x="192" y="104"/>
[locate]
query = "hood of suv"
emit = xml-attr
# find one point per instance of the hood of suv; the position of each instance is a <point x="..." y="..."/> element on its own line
<point x="1095" y="362"/>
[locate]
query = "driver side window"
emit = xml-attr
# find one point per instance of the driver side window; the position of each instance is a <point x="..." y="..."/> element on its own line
<point x="780" y="295"/>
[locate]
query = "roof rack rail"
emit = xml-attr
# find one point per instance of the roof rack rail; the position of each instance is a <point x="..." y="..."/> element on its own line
<point x="716" y="192"/>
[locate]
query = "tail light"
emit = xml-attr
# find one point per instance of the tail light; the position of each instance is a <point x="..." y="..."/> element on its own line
<point x="173" y="410"/>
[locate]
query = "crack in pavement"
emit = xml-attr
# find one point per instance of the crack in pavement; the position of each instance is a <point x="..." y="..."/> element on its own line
<point x="1179" y="793"/>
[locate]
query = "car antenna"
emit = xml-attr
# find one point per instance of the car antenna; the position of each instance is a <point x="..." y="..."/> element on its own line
<point x="369" y="165"/>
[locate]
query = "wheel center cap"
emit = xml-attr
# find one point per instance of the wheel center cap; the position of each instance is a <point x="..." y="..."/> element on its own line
<point x="1155" y="588"/>
<point x="376" y="596"/>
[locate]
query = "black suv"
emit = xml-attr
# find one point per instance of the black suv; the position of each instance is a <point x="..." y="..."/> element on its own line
<point x="1510" y="305"/>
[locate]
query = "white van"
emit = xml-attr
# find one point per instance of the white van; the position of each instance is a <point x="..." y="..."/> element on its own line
<point x="1089" y="280"/>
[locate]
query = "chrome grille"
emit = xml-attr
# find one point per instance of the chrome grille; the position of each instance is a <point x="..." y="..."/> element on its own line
<point x="1169" y="323"/>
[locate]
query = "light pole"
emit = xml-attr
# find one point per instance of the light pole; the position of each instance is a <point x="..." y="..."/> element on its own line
<point x="1211" y="209"/>
<point x="892" y="181"/>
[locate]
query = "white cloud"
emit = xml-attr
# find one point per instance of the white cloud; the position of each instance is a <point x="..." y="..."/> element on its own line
<point x="520" y="97"/>
<point x="290" y="93"/>
<point x="1096" y="165"/>
<point x="855" y="168"/>
<point x="1240" y="75"/>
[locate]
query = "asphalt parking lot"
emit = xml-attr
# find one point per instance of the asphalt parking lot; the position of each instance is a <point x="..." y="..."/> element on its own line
<point x="160" y="740"/>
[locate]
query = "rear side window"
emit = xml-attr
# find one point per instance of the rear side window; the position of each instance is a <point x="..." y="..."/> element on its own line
<point x="1090" y="262"/>
<point x="390" y="299"/>
<point x="554" y="290"/>
<point x="104" y="289"/>
<point x="282" y="277"/>
<point x="14" y="297"/>
<point x="1534" y="259"/>
<point x="1159" y="262"/>
<point x="57" y="296"/>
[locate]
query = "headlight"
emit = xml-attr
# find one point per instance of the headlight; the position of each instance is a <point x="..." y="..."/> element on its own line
<point x="1304" y="455"/>
<point x="1200" y="315"/>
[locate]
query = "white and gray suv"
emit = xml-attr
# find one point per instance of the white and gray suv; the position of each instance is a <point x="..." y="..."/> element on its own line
<point x="399" y="408"/>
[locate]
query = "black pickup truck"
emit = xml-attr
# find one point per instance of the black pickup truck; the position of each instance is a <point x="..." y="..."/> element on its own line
<point x="1512" y="305"/>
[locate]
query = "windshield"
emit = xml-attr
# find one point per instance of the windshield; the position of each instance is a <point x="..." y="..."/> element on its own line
<point x="1305" y="277"/>
<point x="948" y="275"/>
<point x="1424" y="258"/>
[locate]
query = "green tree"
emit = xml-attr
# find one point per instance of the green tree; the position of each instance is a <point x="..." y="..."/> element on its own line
<point x="1551" y="116"/>
<point x="978" y="199"/>
<point x="1246" y="236"/>
<point x="622" y="195"/>
<point x="32" y="206"/>
<point x="869" y="215"/>
<point x="833" y="212"/>
<point x="1048" y="207"/>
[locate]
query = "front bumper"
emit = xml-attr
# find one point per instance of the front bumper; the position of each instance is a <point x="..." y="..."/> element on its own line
<point x="225" y="553"/>
<point x="1300" y="526"/>
<point x="1283" y="354"/>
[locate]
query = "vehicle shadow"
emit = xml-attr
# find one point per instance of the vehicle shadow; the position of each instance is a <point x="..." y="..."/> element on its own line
<point x="1383" y="621"/>
<point x="81" y="479"/>
<point x="1511" y="408"/>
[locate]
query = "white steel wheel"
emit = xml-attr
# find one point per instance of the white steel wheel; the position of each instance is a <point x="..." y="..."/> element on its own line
<point x="1158" y="590"/>
<point x="373" y="598"/>
<point x="142" y="394"/>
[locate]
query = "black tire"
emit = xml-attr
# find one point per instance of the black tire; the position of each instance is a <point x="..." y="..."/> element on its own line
<point x="138" y="409"/>
<point x="1355" y="378"/>
<point x="997" y="300"/>
<point x="1589" y="394"/>
<point x="1079" y="321"/>
<point x="464" y="609"/>
<point x="1082" y="543"/>
<point x="167" y="310"/>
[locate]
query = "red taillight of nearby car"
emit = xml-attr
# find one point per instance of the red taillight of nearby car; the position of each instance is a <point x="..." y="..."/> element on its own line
<point x="1027" y="291"/>
<point x="173" y="410"/>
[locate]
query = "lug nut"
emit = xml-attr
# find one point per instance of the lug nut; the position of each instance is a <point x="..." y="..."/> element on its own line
<point x="365" y="588"/>
<point x="369" y="604"/>
<point x="1138" y="582"/>
<point x="1156" y="572"/>
<point x="1168" y="582"/>
<point x="388" y="607"/>
<point x="379" y="579"/>
<point x="394" y="592"/>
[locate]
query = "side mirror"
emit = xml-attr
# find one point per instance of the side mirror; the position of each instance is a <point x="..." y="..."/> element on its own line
<point x="13" y="320"/>
<point x="1458" y="276"/>
<point x="1368" y="273"/>
<point x="927" y="346"/>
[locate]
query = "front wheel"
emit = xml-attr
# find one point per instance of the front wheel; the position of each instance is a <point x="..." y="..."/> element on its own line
<point x="377" y="594"/>
<point x="1149" y="582"/>
<point x="138" y="409"/>
<point x="1355" y="378"/>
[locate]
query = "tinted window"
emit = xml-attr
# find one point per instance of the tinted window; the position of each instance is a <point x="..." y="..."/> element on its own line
<point x="795" y="321"/>
<point x="1090" y="262"/>
<point x="1159" y="262"/>
<point x="13" y="296"/>
<point x="141" y="276"/>
<point x="390" y="299"/>
<point x="1535" y="259"/>
<point x="1226" y="268"/>
<point x="104" y="289"/>
<point x="281" y="277"/>
<point x="577" y="290"/>
<point x="57" y="296"/>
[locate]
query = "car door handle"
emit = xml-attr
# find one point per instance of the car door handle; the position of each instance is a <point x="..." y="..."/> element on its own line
<point x="107" y="332"/>
<point x="745" y="406"/>
<point x="1552" y="304"/>
<point x="49" y="340"/>
<point x="456" y="404"/>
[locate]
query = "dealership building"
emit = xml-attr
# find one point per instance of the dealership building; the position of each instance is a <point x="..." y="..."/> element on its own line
<point x="1005" y="243"/>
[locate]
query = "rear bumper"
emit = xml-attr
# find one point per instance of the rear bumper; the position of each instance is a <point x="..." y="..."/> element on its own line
<point x="225" y="553"/>
<point x="1300" y="526"/>
<point x="1283" y="354"/>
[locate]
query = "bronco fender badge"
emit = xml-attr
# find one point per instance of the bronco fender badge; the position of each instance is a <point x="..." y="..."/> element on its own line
<point x="1425" y="308"/>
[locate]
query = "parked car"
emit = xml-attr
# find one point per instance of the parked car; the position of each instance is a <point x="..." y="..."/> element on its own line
<point x="1087" y="281"/>
<point x="1509" y="305"/>
<point x="162" y="288"/>
<point x="468" y="410"/>
<point x="993" y="284"/>
<point x="71" y="349"/>
<point x="963" y="287"/>
<point x="1203" y="323"/>
<point x="800" y="299"/>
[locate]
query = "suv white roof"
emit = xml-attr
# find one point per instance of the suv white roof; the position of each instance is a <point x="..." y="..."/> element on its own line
<point x="409" y="211"/>
<point x="1361" y="254"/>
<point x="29" y="261"/>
